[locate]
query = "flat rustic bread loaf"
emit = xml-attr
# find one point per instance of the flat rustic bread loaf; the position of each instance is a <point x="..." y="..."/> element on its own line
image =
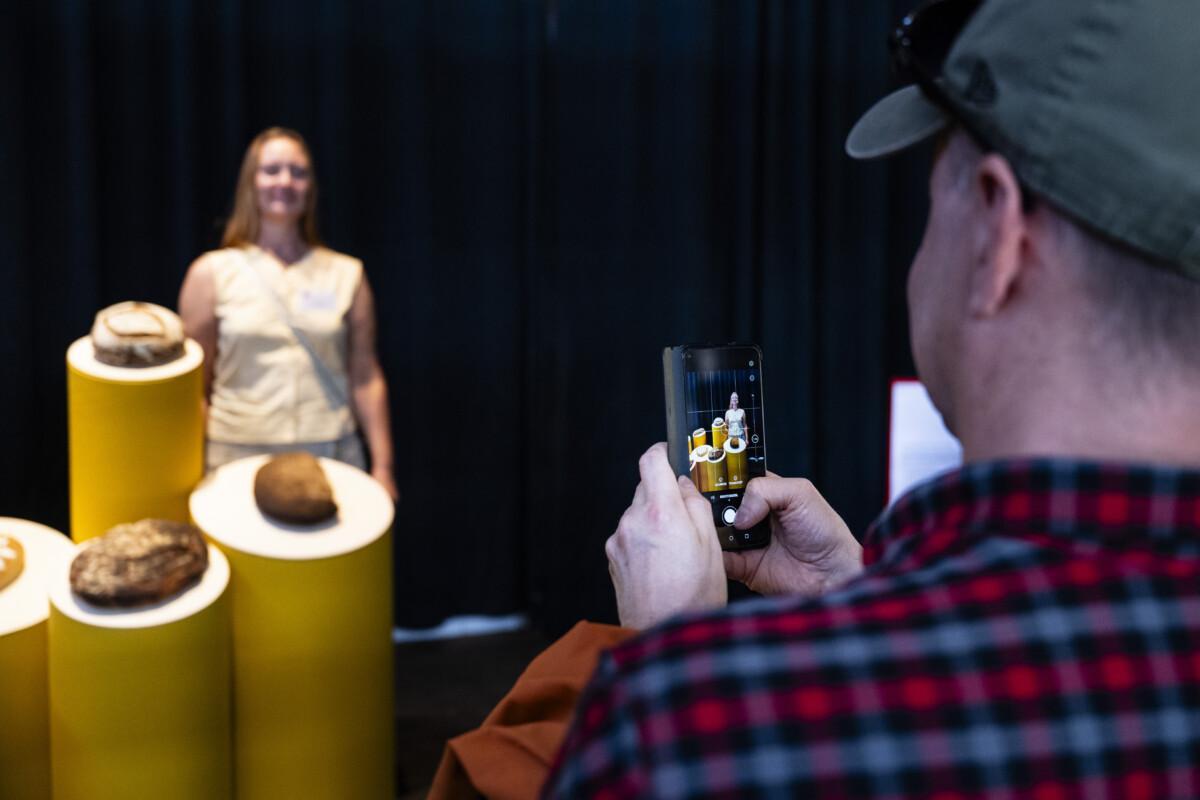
<point x="12" y="560"/>
<point x="292" y="487"/>
<point x="139" y="563"/>
<point x="137" y="335"/>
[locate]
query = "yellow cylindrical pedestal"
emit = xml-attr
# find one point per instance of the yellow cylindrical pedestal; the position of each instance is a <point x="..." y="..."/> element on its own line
<point x="136" y="438"/>
<point x="714" y="471"/>
<point x="312" y="619"/>
<point x="735" y="463"/>
<point x="699" y="438"/>
<point x="718" y="433"/>
<point x="24" y="692"/>
<point x="140" y="698"/>
<point x="699" y="460"/>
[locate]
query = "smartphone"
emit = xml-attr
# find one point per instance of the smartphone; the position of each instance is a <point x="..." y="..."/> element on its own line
<point x="716" y="430"/>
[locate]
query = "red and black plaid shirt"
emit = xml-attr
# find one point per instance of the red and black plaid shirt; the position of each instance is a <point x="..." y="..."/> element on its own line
<point x="1022" y="629"/>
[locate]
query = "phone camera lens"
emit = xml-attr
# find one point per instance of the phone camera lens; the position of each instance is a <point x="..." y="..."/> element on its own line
<point x="752" y="377"/>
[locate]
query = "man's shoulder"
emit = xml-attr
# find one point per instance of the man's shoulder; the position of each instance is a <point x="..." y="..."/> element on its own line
<point x="952" y="636"/>
<point x="788" y="670"/>
<point x="761" y="632"/>
<point x="883" y="621"/>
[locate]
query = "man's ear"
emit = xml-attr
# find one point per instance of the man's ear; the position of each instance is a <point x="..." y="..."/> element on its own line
<point x="1000" y="235"/>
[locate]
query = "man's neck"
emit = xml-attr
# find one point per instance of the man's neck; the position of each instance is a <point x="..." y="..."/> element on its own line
<point x="1091" y="421"/>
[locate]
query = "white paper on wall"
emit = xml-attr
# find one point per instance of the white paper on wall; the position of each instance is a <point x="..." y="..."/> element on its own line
<point x="919" y="445"/>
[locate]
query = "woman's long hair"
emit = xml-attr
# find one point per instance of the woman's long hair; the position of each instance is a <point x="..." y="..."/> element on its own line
<point x="243" y="225"/>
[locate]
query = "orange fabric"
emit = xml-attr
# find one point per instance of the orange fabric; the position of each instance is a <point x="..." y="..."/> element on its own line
<point x="508" y="756"/>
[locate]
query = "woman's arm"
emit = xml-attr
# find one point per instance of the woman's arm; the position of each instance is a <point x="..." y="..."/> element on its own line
<point x="369" y="388"/>
<point x="198" y="310"/>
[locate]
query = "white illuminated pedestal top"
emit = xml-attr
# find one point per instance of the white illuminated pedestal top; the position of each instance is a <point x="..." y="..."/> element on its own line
<point x="223" y="507"/>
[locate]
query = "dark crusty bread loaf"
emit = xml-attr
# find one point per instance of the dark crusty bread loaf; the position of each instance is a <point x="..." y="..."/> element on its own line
<point x="292" y="487"/>
<point x="139" y="563"/>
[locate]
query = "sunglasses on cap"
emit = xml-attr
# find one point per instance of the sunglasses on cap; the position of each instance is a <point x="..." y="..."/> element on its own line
<point x="920" y="43"/>
<point x="919" y="46"/>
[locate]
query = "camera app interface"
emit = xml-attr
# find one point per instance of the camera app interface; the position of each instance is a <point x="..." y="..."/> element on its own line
<point x="727" y="443"/>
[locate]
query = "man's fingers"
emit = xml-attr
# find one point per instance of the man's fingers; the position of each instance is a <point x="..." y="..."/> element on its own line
<point x="743" y="566"/>
<point x="699" y="509"/>
<point x="639" y="495"/>
<point x="656" y="472"/>
<point x="754" y="506"/>
<point x="772" y="493"/>
<point x="735" y="565"/>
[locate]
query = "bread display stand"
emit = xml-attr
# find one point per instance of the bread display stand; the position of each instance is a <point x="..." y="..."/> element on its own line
<point x="140" y="697"/>
<point x="136" y="438"/>
<point x="24" y="691"/>
<point x="312" y="610"/>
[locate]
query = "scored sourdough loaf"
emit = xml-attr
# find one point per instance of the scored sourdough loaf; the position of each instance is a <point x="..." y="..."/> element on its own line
<point x="139" y="563"/>
<point x="293" y="488"/>
<point x="137" y="334"/>
<point x="12" y="560"/>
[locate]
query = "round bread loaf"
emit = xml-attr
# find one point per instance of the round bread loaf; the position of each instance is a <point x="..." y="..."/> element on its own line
<point x="12" y="560"/>
<point x="139" y="563"/>
<point x="293" y="488"/>
<point x="137" y="334"/>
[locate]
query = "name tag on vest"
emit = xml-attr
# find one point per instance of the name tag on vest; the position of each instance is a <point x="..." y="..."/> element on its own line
<point x="315" y="300"/>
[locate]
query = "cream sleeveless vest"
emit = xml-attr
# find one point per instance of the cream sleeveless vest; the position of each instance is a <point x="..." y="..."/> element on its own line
<point x="266" y="389"/>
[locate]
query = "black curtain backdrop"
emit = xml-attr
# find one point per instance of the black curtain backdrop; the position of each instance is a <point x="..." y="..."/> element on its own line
<point x="544" y="195"/>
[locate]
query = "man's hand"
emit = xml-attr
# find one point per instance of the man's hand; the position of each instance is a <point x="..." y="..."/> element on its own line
<point x="811" y="548"/>
<point x="664" y="558"/>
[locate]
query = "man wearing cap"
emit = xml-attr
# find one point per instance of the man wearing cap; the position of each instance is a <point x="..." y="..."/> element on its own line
<point x="1029" y="625"/>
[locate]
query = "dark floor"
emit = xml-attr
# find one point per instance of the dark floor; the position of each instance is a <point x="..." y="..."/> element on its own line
<point x="447" y="687"/>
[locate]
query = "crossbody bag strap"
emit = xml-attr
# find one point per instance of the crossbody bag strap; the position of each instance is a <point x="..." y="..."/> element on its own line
<point x="324" y="373"/>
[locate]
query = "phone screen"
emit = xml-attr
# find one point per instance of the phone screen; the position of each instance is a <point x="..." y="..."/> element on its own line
<point x="727" y="446"/>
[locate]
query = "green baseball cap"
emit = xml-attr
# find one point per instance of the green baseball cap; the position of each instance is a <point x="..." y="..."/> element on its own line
<point x="1095" y="104"/>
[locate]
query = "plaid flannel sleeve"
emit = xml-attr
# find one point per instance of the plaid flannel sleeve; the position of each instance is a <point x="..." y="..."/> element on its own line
<point x="600" y="757"/>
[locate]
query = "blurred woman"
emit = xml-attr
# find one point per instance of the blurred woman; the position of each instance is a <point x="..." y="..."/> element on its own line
<point x="287" y="325"/>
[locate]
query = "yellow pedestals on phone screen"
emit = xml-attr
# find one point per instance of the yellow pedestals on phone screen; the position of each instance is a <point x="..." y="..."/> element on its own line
<point x="140" y="698"/>
<point x="699" y="467"/>
<point x="24" y="691"/>
<point x="735" y="463"/>
<point x="719" y="433"/>
<point x="714" y="471"/>
<point x="136" y="438"/>
<point x="312" y="621"/>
